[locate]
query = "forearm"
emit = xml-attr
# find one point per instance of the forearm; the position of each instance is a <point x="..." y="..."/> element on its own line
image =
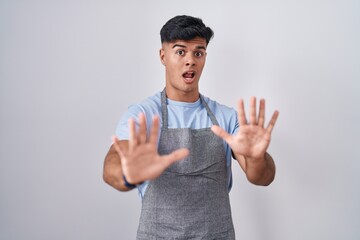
<point x="259" y="171"/>
<point x="112" y="173"/>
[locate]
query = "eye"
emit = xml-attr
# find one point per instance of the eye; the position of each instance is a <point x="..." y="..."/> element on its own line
<point x="198" y="54"/>
<point x="180" y="52"/>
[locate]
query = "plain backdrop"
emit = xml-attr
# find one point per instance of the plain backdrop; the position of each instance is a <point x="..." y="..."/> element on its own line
<point x="69" y="70"/>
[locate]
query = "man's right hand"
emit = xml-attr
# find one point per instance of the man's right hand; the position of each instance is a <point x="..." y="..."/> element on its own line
<point x="141" y="160"/>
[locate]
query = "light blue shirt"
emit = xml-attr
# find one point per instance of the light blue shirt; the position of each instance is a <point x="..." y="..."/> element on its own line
<point x="181" y="115"/>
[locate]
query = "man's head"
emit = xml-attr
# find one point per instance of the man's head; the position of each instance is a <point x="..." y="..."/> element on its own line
<point x="184" y="41"/>
<point x="185" y="28"/>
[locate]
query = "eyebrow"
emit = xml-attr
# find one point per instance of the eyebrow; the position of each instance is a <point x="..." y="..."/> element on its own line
<point x="183" y="46"/>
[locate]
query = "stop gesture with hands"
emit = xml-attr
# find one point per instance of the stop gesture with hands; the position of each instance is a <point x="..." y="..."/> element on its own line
<point x="253" y="139"/>
<point x="141" y="161"/>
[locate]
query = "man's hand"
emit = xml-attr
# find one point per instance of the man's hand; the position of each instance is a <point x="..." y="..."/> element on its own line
<point x="141" y="160"/>
<point x="250" y="143"/>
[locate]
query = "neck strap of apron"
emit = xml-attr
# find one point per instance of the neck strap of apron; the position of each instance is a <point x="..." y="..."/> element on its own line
<point x="164" y="110"/>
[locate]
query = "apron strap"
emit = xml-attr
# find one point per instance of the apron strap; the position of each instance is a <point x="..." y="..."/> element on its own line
<point x="164" y="110"/>
<point x="209" y="112"/>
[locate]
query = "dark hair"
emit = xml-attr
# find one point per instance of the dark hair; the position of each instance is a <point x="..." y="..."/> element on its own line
<point x="185" y="28"/>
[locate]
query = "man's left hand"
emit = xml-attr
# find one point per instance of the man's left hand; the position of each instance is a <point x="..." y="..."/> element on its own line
<point x="253" y="139"/>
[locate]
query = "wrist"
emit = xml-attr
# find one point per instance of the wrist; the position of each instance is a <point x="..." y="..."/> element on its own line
<point x="256" y="159"/>
<point x="128" y="184"/>
<point x="257" y="164"/>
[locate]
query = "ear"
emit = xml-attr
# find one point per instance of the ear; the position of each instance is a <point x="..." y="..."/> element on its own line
<point x="162" y="56"/>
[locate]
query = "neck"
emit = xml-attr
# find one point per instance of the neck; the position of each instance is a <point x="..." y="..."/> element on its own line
<point x="182" y="96"/>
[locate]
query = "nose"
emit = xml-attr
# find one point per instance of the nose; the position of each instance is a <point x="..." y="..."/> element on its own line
<point x="190" y="60"/>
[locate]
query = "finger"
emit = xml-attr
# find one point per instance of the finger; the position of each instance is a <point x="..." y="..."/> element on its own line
<point x="154" y="131"/>
<point x="142" y="129"/>
<point x="175" y="156"/>
<point x="272" y="122"/>
<point x="221" y="133"/>
<point x="116" y="145"/>
<point x="252" y="110"/>
<point x="261" y="119"/>
<point x="241" y="113"/>
<point x="133" y="141"/>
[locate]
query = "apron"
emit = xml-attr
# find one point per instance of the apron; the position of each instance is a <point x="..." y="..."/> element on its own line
<point x="190" y="199"/>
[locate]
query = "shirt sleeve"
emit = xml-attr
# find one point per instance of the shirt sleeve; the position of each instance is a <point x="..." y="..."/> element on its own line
<point x="234" y="123"/>
<point x="122" y="128"/>
<point x="148" y="107"/>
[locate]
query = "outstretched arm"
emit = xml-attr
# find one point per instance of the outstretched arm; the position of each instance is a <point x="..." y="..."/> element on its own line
<point x="138" y="158"/>
<point x="250" y="143"/>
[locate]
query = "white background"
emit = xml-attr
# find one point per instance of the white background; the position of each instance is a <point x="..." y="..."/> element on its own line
<point x="69" y="69"/>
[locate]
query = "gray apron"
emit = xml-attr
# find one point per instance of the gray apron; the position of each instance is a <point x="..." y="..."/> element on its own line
<point x="190" y="199"/>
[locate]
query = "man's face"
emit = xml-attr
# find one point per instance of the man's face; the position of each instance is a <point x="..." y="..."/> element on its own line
<point x="184" y="61"/>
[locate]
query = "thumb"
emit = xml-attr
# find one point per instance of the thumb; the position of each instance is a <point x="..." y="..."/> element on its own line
<point x="175" y="156"/>
<point x="221" y="133"/>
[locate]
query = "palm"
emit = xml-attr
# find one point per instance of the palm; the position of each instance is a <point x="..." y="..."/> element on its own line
<point x="250" y="141"/>
<point x="141" y="161"/>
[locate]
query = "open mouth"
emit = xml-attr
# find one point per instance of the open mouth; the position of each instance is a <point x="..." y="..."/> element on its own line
<point x="189" y="76"/>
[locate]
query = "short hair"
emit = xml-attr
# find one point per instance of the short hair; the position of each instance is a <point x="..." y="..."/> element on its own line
<point x="184" y="27"/>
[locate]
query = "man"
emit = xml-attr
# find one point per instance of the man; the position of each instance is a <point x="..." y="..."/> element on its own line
<point x="183" y="174"/>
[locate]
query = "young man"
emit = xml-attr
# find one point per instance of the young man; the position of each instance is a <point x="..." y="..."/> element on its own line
<point x="183" y="170"/>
